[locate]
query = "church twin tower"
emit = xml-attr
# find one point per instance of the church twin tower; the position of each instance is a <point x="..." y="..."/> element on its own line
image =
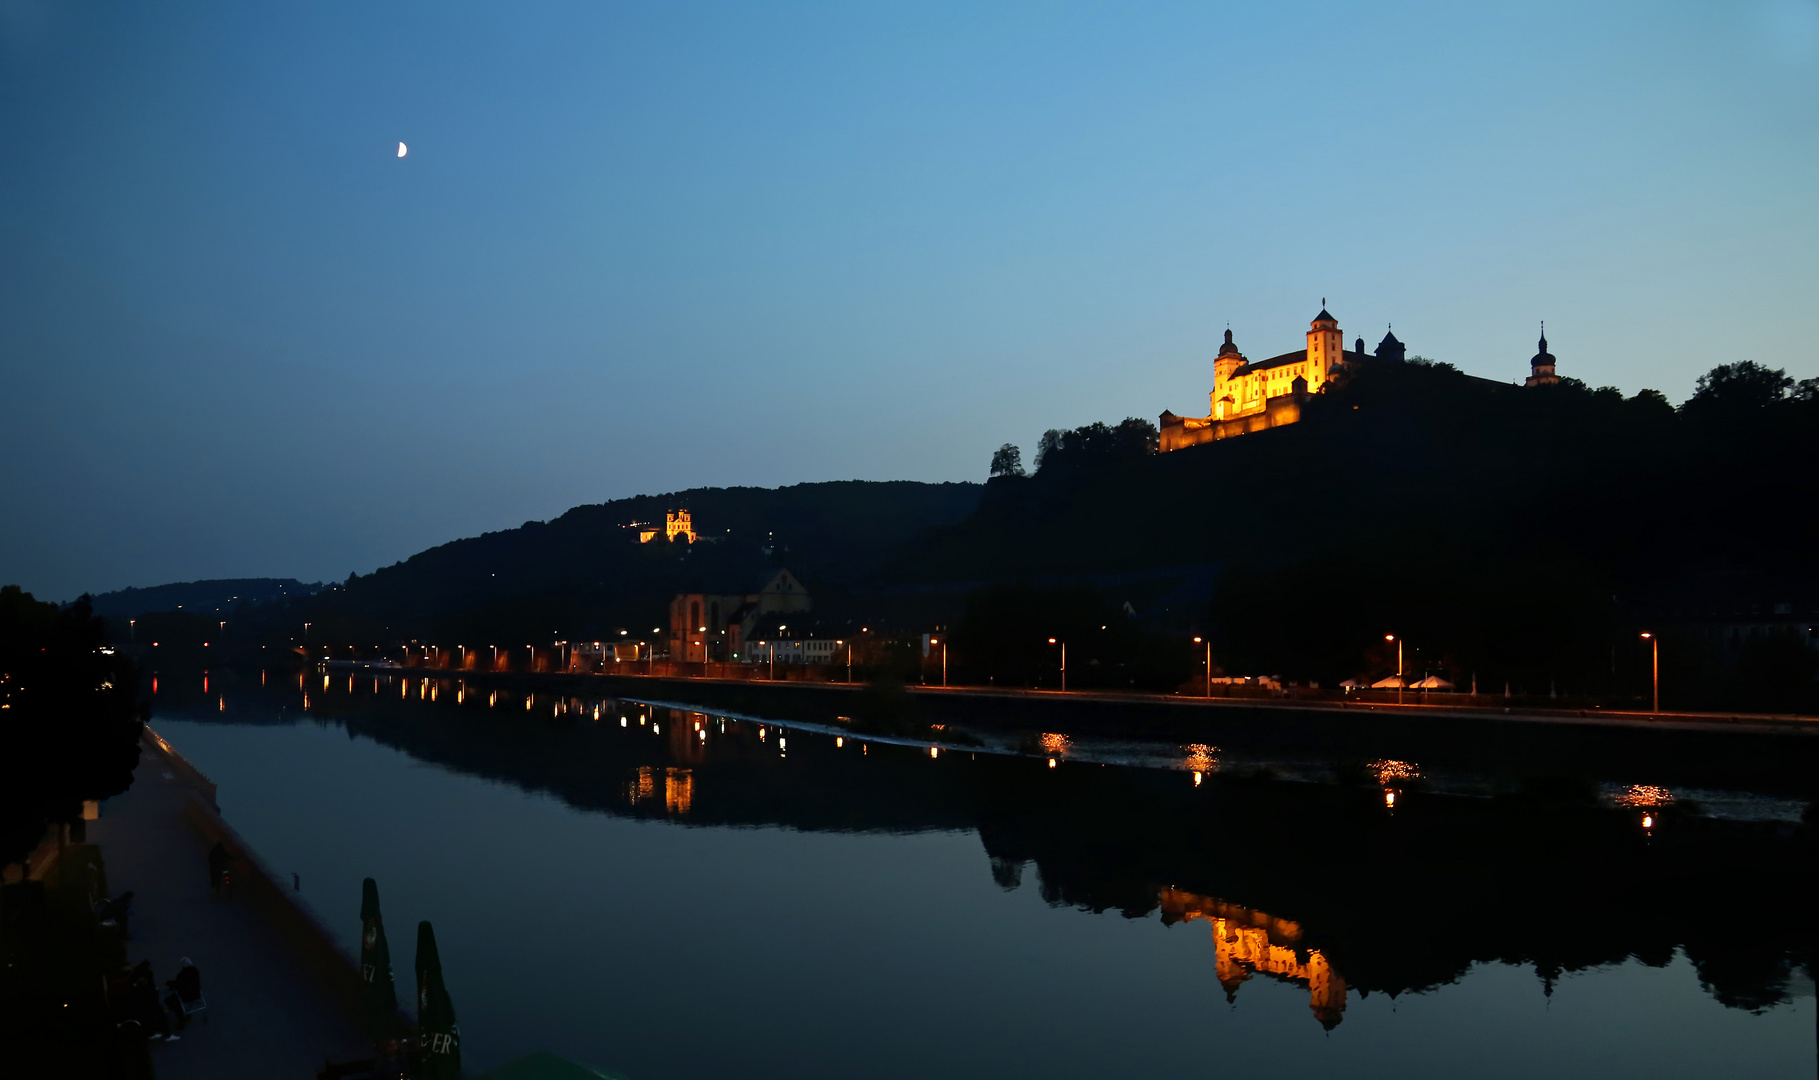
<point x="1251" y="396"/>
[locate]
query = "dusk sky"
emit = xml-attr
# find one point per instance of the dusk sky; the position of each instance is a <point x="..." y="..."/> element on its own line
<point x="636" y="248"/>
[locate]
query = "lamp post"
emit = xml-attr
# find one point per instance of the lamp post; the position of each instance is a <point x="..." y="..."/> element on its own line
<point x="849" y="658"/>
<point x="1063" y="645"/>
<point x="132" y="629"/>
<point x="1400" y="680"/>
<point x="1209" y="665"/>
<point x="1654" y="644"/>
<point x="943" y="644"/>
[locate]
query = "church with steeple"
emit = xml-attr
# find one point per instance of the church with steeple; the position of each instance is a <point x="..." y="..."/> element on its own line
<point x="1253" y="395"/>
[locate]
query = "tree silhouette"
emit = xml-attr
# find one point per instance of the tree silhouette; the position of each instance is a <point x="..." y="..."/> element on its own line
<point x="69" y="717"/>
<point x="1007" y="460"/>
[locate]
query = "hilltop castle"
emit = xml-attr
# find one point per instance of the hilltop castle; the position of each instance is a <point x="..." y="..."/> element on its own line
<point x="1253" y="395"/>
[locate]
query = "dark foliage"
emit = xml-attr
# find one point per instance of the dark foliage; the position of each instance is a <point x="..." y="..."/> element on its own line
<point x="1733" y="391"/>
<point x="1083" y="451"/>
<point x="1007" y="460"/>
<point x="1469" y="609"/>
<point x="69" y="717"/>
<point x="1004" y="639"/>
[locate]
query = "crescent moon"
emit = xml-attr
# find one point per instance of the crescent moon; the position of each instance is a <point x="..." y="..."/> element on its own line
<point x="402" y="150"/>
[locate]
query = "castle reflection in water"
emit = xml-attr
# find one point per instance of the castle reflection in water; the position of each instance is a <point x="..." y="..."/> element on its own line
<point x="1248" y="942"/>
<point x="675" y="788"/>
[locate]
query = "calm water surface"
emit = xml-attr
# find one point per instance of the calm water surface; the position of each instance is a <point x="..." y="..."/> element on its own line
<point x="676" y="895"/>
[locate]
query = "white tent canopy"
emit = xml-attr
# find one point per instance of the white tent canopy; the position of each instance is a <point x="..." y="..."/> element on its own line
<point x="1394" y="682"/>
<point x="1432" y="682"/>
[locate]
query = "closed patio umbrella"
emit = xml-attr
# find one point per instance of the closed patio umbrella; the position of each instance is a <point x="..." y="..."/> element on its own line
<point x="376" y="966"/>
<point x="439" y="1037"/>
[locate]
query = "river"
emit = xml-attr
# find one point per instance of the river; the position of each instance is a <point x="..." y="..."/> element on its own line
<point x="674" y="894"/>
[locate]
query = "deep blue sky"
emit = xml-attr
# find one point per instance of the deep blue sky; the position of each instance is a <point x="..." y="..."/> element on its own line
<point x="643" y="247"/>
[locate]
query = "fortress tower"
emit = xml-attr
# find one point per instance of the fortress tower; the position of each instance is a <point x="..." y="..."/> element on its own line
<point x="1325" y="348"/>
<point x="1389" y="348"/>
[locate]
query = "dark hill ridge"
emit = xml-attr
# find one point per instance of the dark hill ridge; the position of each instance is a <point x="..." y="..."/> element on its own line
<point x="216" y="595"/>
<point x="1558" y="476"/>
<point x="1509" y="536"/>
<point x="586" y="572"/>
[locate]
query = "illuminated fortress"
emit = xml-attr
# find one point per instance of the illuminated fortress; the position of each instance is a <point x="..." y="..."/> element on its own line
<point x="1251" y="395"/>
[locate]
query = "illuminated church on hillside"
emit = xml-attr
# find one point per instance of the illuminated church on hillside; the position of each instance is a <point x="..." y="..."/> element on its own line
<point x="1253" y="395"/>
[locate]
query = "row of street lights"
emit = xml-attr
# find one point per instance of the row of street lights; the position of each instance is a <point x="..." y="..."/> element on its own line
<point x="1401" y="677"/>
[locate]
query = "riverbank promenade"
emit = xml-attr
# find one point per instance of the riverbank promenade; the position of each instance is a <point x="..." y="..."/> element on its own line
<point x="670" y="687"/>
<point x="271" y="1011"/>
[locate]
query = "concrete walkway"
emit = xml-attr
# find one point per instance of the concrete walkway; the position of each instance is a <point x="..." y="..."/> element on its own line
<point x="271" y="1011"/>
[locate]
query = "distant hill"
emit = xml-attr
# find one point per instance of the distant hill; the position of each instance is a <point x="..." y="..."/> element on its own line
<point x="586" y="573"/>
<point x="220" y="595"/>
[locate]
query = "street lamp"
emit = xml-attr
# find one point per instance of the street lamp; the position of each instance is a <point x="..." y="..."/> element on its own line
<point x="132" y="630"/>
<point x="849" y="658"/>
<point x="1654" y="644"/>
<point x="1209" y="665"/>
<point x="1401" y="681"/>
<point x="1063" y="645"/>
<point x="943" y="644"/>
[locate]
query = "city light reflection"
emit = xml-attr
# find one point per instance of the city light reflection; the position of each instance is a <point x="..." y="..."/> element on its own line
<point x="1201" y="759"/>
<point x="1389" y="769"/>
<point x="1637" y="796"/>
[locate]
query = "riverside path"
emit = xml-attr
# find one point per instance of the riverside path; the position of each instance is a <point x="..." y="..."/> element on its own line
<point x="276" y="1007"/>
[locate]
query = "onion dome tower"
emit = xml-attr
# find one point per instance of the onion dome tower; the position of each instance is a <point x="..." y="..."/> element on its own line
<point x="1542" y="366"/>
<point x="1228" y="361"/>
